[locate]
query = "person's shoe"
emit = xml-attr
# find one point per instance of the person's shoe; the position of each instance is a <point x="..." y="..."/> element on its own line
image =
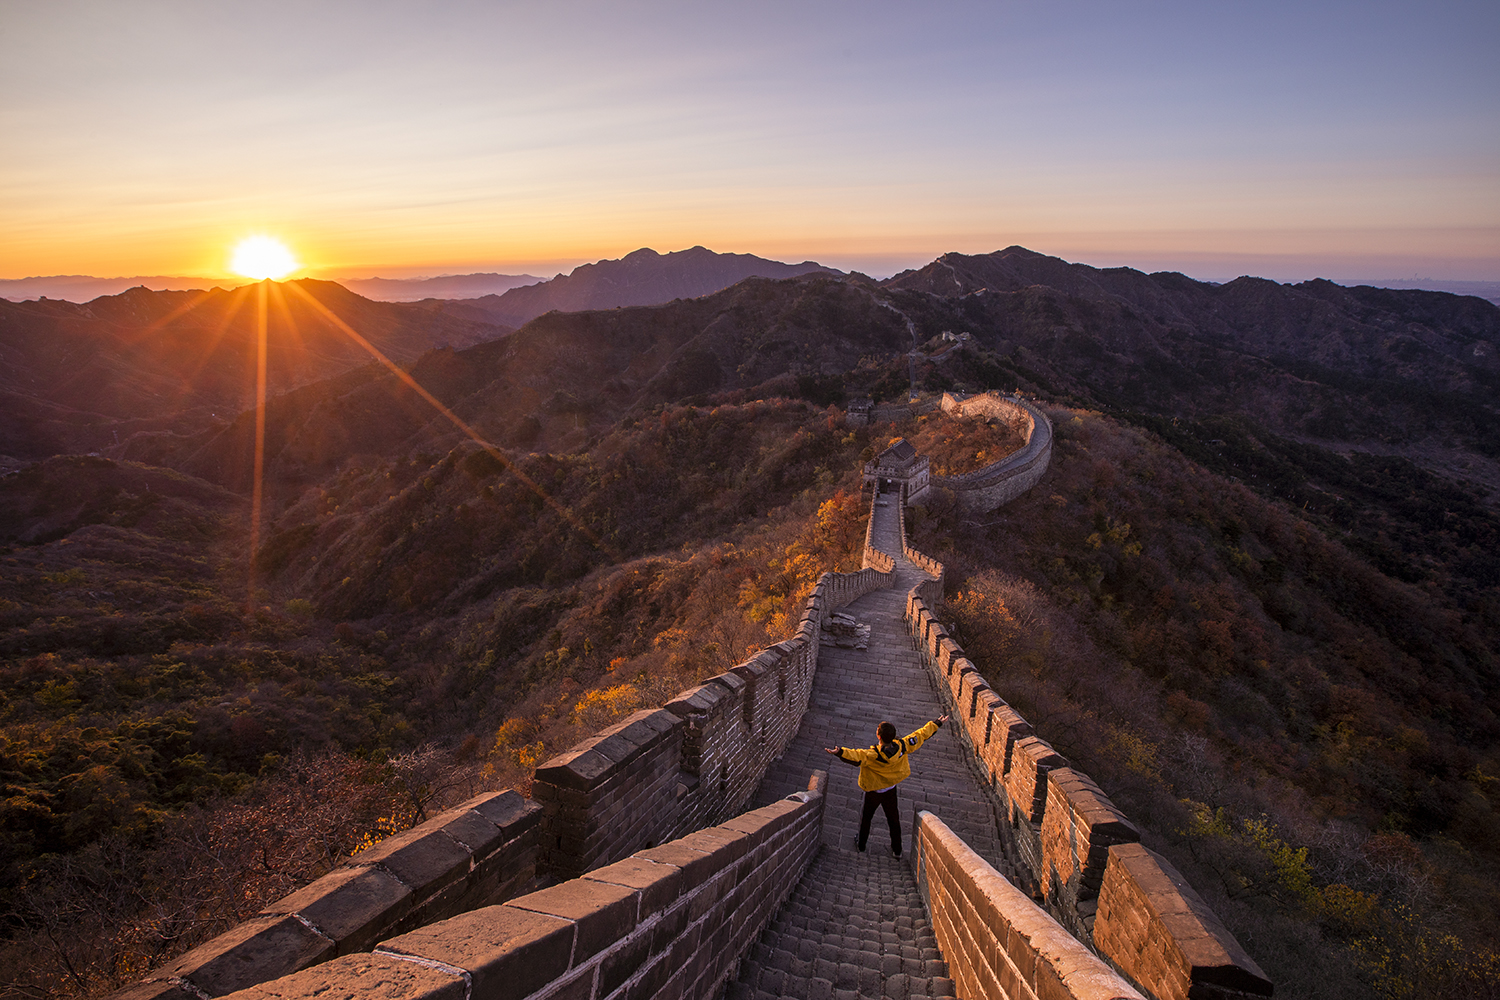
<point x="859" y="847"/>
<point x="896" y="853"/>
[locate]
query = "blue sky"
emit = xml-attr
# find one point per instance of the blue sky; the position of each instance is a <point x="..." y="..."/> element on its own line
<point x="1288" y="140"/>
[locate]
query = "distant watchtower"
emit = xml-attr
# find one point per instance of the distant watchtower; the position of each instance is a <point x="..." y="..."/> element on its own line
<point x="899" y="467"/>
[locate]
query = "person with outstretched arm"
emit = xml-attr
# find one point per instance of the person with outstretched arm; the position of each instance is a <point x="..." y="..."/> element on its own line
<point x="881" y="768"/>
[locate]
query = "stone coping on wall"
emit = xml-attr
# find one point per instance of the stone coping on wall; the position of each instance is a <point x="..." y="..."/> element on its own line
<point x="1160" y="932"/>
<point x="996" y="941"/>
<point x="670" y="921"/>
<point x="473" y="855"/>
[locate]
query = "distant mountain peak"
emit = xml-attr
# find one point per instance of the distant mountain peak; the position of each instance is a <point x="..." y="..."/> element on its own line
<point x="639" y="278"/>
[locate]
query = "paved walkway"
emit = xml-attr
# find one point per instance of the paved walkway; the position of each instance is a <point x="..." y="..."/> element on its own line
<point x="855" y="927"/>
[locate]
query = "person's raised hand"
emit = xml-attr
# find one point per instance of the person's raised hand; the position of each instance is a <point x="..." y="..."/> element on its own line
<point x="830" y="749"/>
<point x="944" y="719"/>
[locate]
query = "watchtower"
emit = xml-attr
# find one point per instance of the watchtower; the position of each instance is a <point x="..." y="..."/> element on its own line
<point x="899" y="467"/>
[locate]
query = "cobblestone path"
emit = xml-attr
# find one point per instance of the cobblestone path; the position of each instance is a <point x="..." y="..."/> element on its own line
<point x="855" y="926"/>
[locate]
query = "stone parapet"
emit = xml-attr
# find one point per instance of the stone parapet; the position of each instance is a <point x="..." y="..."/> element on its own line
<point x="477" y="854"/>
<point x="1073" y="849"/>
<point x="1158" y="931"/>
<point x="1081" y="824"/>
<point x="668" y="922"/>
<point x="996" y="941"/>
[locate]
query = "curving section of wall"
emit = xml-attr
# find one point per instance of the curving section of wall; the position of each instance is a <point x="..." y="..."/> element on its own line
<point x="668" y="922"/>
<point x="998" y="484"/>
<point x="997" y="942"/>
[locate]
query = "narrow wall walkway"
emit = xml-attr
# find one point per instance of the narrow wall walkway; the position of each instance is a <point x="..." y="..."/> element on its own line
<point x="856" y="926"/>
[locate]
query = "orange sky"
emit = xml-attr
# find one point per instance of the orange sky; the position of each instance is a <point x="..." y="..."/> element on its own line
<point x="1288" y="140"/>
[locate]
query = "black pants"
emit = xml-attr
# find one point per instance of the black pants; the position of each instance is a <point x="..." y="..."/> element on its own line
<point x="885" y="800"/>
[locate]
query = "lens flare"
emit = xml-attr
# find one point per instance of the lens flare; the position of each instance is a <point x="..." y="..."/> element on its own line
<point x="263" y="257"/>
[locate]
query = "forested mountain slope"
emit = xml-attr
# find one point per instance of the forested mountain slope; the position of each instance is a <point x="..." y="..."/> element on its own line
<point x="1259" y="578"/>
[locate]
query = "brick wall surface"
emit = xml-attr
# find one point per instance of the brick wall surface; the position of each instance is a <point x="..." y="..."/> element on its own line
<point x="479" y="853"/>
<point x="1031" y="757"/>
<point x="668" y="922"/>
<point x="1081" y="824"/>
<point x="1155" y="928"/>
<point x="996" y="941"/>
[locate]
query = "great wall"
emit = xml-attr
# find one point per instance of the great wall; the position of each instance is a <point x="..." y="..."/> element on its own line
<point x="703" y="848"/>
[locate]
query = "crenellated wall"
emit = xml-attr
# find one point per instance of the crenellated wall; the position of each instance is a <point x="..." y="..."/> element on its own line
<point x="650" y="909"/>
<point x="670" y="922"/>
<point x="1075" y="851"/>
<point x="1003" y="481"/>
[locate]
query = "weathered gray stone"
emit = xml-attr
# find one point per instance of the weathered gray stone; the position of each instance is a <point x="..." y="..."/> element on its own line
<point x="258" y="950"/>
<point x="424" y="858"/>
<point x="350" y="905"/>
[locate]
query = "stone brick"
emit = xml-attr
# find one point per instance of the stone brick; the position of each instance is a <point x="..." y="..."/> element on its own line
<point x="578" y="987"/>
<point x="509" y="810"/>
<point x="1026" y="780"/>
<point x="257" y="951"/>
<point x="423" y="858"/>
<point x="968" y="702"/>
<point x="472" y="831"/>
<point x="350" y="905"/>
<point x="700" y="700"/>
<point x="727" y="846"/>
<point x="507" y="952"/>
<point x="762" y="823"/>
<point x="362" y="977"/>
<point x="604" y="912"/>
<point x="580" y="768"/>
<point x="948" y="654"/>
<point x="658" y="884"/>
<point x="1078" y="828"/>
<point x="697" y="866"/>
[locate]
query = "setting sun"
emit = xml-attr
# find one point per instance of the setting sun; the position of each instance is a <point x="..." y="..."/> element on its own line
<point x="263" y="257"/>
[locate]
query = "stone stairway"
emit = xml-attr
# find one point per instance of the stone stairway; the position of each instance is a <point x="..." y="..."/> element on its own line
<point x="855" y="927"/>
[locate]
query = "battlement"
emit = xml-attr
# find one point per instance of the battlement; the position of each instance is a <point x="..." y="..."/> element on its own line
<point x="1076" y="853"/>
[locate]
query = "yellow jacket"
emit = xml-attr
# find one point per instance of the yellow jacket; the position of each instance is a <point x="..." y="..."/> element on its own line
<point x="886" y="765"/>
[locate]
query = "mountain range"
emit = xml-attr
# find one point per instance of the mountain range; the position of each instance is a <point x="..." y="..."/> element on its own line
<point x="1256" y="594"/>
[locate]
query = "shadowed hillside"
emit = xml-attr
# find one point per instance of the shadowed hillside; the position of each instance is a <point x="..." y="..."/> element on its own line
<point x="1254" y="596"/>
<point x="78" y="378"/>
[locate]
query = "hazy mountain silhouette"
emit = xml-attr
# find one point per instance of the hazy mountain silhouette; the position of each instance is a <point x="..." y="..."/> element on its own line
<point x="1403" y="373"/>
<point x="445" y="286"/>
<point x="84" y="287"/>
<point x="643" y="277"/>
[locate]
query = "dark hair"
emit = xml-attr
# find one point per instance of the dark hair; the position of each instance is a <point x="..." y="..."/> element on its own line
<point x="886" y="732"/>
